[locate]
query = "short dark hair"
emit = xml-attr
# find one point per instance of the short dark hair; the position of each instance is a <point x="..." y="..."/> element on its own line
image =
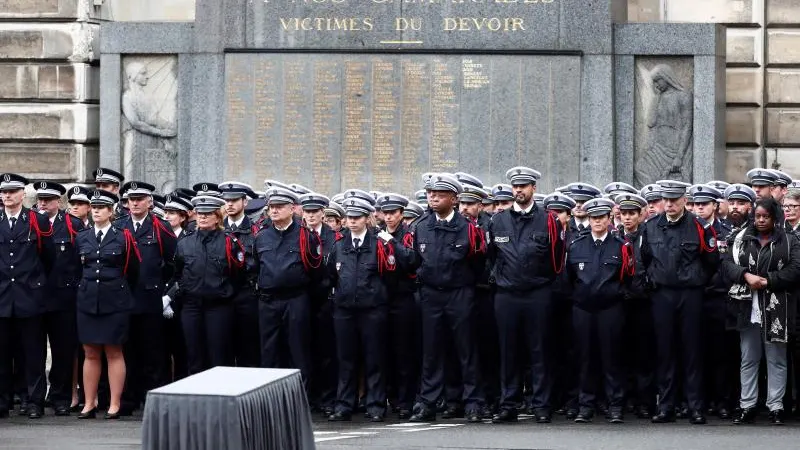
<point x="770" y="205"/>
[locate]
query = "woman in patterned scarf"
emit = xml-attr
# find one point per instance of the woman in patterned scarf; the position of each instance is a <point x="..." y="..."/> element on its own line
<point x="763" y="264"/>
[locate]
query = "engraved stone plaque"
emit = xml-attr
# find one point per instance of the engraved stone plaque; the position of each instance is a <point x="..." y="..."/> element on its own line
<point x="379" y="121"/>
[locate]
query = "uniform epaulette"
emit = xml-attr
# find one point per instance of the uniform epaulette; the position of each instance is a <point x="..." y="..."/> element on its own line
<point x="621" y="239"/>
<point x="578" y="239"/>
<point x="702" y="222"/>
<point x="91" y="228"/>
<point x="651" y="218"/>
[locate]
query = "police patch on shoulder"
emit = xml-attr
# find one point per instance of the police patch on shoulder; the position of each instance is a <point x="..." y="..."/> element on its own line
<point x="338" y="266"/>
<point x="501" y="239"/>
<point x="422" y="248"/>
<point x="580" y="266"/>
<point x="240" y="257"/>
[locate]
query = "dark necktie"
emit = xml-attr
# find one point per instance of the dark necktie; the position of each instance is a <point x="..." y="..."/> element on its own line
<point x="135" y="227"/>
<point x="581" y="228"/>
<point x="99" y="236"/>
<point x="13" y="222"/>
<point x="597" y="242"/>
<point x="356" y="242"/>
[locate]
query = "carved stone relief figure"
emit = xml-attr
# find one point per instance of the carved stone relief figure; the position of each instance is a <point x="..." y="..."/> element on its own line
<point x="149" y="125"/>
<point x="667" y="152"/>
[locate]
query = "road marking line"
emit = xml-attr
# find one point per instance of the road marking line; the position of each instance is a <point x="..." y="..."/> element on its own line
<point x="407" y="425"/>
<point x="334" y="438"/>
<point x="414" y="430"/>
<point x="359" y="433"/>
<point x="322" y="433"/>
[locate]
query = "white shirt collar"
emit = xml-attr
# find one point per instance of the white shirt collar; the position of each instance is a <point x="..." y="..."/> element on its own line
<point x="177" y="231"/>
<point x="236" y="223"/>
<point x="105" y="230"/>
<point x="360" y="237"/>
<point x="518" y="208"/>
<point x="14" y="216"/>
<point x="602" y="238"/>
<point x="318" y="229"/>
<point x="673" y="221"/>
<point x="138" y="222"/>
<point x="449" y="216"/>
<point x="584" y="222"/>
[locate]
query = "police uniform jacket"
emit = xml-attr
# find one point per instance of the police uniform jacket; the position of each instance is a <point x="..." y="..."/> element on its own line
<point x="157" y="244"/>
<point x="448" y="259"/>
<point x="575" y="229"/>
<point x="638" y="289"/>
<point x="63" y="282"/>
<point x="355" y="275"/>
<point x="403" y="279"/>
<point x="680" y="254"/>
<point x="522" y="250"/>
<point x="600" y="275"/>
<point x="245" y="233"/>
<point x="25" y="261"/>
<point x="205" y="264"/>
<point x="109" y="270"/>
<point x="718" y="286"/>
<point x="282" y="263"/>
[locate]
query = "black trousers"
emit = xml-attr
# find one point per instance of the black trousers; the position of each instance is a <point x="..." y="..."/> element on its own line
<point x="678" y="316"/>
<point x="61" y="329"/>
<point x="177" y="364"/>
<point x="718" y="378"/>
<point x="208" y="330"/>
<point x="246" y="347"/>
<point x="640" y="347"/>
<point x="145" y="357"/>
<point x="27" y="334"/>
<point x="524" y="322"/>
<point x="566" y="371"/>
<point x="404" y="348"/>
<point x="488" y="344"/>
<point x="284" y="325"/>
<point x="449" y="312"/>
<point x="598" y="338"/>
<point x="361" y="332"/>
<point x="326" y="372"/>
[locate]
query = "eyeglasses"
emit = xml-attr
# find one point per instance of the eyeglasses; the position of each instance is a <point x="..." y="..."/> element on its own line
<point x="788" y="207"/>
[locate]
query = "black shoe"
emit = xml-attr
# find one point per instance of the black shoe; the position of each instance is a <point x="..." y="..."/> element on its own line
<point x="747" y="415"/>
<point x="76" y="408"/>
<point x="724" y="413"/>
<point x="474" y="416"/>
<point x="682" y="413"/>
<point x="505" y="416"/>
<point x="404" y="414"/>
<point x="91" y="414"/>
<point x="423" y="415"/>
<point x="697" y="418"/>
<point x="339" y="417"/>
<point x="777" y="417"/>
<point x="24" y="409"/>
<point x="561" y="411"/>
<point x="584" y="416"/>
<point x="616" y="416"/>
<point x="543" y="416"/>
<point x="487" y="412"/>
<point x="663" y="417"/>
<point x="453" y="413"/>
<point x="643" y="412"/>
<point x="62" y="410"/>
<point x="376" y="418"/>
<point x="572" y="414"/>
<point x="35" y="412"/>
<point x="112" y="416"/>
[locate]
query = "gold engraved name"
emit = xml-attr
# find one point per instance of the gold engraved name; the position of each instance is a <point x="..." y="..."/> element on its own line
<point x="327" y="23"/>
<point x="483" y="23"/>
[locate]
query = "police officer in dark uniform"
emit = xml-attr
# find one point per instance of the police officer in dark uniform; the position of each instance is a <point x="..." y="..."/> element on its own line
<point x="146" y="349"/>
<point x="600" y="266"/>
<point x="245" y="341"/>
<point x="526" y="251"/>
<point x="781" y="184"/>
<point x="403" y="320"/>
<point x="62" y="285"/>
<point x="717" y="378"/>
<point x="679" y="252"/>
<point x="110" y="181"/>
<point x="452" y="253"/>
<point x="655" y="202"/>
<point x="110" y="261"/>
<point x="289" y="266"/>
<point x="503" y="196"/>
<point x="359" y="265"/>
<point x="25" y="262"/>
<point x="187" y="194"/>
<point x="581" y="193"/>
<point x="206" y="266"/>
<point x="412" y="212"/>
<point x="79" y="205"/>
<point x="722" y="204"/>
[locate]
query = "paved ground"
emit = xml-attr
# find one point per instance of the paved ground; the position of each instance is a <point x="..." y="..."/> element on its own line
<point x="20" y="433"/>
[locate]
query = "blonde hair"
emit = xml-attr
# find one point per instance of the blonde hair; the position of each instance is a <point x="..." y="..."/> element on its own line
<point x="220" y="221"/>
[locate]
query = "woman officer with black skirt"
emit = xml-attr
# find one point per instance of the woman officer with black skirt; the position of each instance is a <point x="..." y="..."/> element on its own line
<point x="110" y="263"/>
<point x="205" y="262"/>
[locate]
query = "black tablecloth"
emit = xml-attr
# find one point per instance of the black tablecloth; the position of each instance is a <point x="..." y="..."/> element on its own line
<point x="228" y="408"/>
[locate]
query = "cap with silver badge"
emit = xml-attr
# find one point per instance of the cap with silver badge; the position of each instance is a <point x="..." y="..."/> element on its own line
<point x="138" y="189"/>
<point x="651" y="192"/>
<point x="598" y="206"/>
<point x="358" y="193"/>
<point x="672" y="189"/>
<point x="761" y="177"/>
<point x="232" y="190"/>
<point x="103" y="198"/>
<point x="281" y="196"/>
<point x="521" y="175"/>
<point x="703" y="193"/>
<point x="472" y="194"/>
<point x="445" y="182"/>
<point x="207" y="189"/>
<point x="313" y="201"/>
<point x="630" y="201"/>
<point x="582" y="192"/>
<point x="503" y="193"/>
<point x="558" y="201"/>
<point x="781" y="178"/>
<point x="391" y="202"/>
<point x="618" y="187"/>
<point x="103" y="175"/>
<point x="12" y="182"/>
<point x="49" y="189"/>
<point x="334" y="210"/>
<point x="357" y="207"/>
<point x="740" y="192"/>
<point x="78" y="194"/>
<point x="207" y="203"/>
<point x="177" y="203"/>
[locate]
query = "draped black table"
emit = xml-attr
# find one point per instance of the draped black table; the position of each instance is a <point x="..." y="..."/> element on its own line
<point x="230" y="408"/>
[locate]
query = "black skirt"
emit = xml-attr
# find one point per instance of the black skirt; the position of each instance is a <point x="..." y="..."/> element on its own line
<point x="103" y="329"/>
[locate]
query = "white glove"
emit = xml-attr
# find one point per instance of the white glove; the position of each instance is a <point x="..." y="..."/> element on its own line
<point x="168" y="312"/>
<point x="165" y="301"/>
<point x="385" y="236"/>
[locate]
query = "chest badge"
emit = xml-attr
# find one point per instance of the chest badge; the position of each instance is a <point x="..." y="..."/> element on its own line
<point x="391" y="260"/>
<point x="338" y="266"/>
<point x="62" y="247"/>
<point x="580" y="266"/>
<point x="422" y="248"/>
<point x="501" y="239"/>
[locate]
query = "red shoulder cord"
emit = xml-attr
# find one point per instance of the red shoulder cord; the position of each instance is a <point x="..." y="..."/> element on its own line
<point x="70" y="230"/>
<point x="408" y="242"/>
<point x="254" y="229"/>
<point x="704" y="248"/>
<point x="555" y="235"/>
<point x="33" y="218"/>
<point x="130" y="242"/>
<point x="477" y="243"/>
<point x="309" y="261"/>
<point x="386" y="260"/>
<point x="233" y="260"/>
<point x="628" y="267"/>
<point x="159" y="226"/>
<point x="337" y="236"/>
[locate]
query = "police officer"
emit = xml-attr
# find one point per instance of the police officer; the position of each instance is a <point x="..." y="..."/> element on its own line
<point x="403" y="319"/>
<point x="717" y="379"/>
<point x="655" y="202"/>
<point x="334" y="215"/>
<point x="762" y="180"/>
<point x="722" y="203"/>
<point x="247" y="351"/>
<point x="62" y="285"/>
<point x="206" y="266"/>
<point x="412" y="212"/>
<point x="503" y="197"/>
<point x="110" y="261"/>
<point x="600" y="266"/>
<point x="187" y="194"/>
<point x="146" y="348"/>
<point x="612" y="190"/>
<point x="289" y="266"/>
<point x="526" y="252"/>
<point x="781" y="184"/>
<point x="452" y="251"/>
<point x="680" y="255"/>
<point x="110" y="181"/>
<point x="324" y="338"/>
<point x="581" y="193"/>
<point x="79" y="205"/>
<point x="359" y="265"/>
<point x="638" y="311"/>
<point x="25" y="262"/>
<point x="176" y="213"/>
